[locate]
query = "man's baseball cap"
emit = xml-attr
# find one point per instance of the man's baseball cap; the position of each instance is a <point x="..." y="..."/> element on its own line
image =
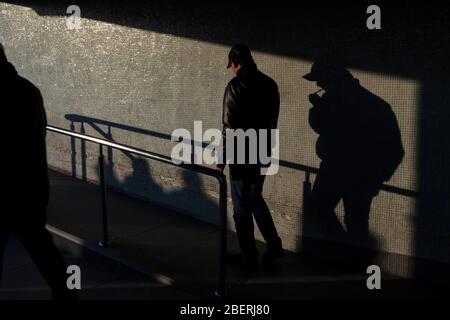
<point x="323" y="70"/>
<point x="239" y="53"/>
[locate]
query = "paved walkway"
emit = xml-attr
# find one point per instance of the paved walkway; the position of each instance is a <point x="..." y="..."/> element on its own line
<point x="158" y="253"/>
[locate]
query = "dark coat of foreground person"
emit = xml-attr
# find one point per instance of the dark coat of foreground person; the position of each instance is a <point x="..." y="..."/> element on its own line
<point x="26" y="182"/>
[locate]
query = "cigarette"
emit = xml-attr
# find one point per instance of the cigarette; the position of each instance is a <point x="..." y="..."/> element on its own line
<point x="318" y="91"/>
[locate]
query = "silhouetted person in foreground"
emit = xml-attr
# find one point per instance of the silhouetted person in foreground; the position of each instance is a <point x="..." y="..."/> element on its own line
<point x="359" y="145"/>
<point x="251" y="101"/>
<point x="27" y="183"/>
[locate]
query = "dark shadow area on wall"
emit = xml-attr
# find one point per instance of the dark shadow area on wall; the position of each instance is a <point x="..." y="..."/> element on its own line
<point x="432" y="235"/>
<point x="413" y="43"/>
<point x="410" y="32"/>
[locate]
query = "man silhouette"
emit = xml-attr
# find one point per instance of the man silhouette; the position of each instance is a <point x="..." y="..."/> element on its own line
<point x="27" y="184"/>
<point x="359" y="144"/>
<point x="251" y="101"/>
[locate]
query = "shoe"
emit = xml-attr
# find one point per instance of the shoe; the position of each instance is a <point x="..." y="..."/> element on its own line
<point x="272" y="254"/>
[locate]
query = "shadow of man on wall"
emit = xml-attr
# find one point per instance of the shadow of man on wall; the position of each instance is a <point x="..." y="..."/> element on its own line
<point x="359" y="146"/>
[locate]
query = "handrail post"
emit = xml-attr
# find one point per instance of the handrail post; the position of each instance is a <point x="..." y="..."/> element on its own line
<point x="220" y="292"/>
<point x="105" y="238"/>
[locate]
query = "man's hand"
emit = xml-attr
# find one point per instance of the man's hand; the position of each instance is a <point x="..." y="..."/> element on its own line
<point x="315" y="99"/>
<point x="220" y="167"/>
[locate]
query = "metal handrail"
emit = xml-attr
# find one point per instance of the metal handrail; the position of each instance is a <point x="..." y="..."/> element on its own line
<point x="220" y="292"/>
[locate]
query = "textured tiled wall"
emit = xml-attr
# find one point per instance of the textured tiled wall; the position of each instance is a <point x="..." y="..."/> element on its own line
<point x="114" y="77"/>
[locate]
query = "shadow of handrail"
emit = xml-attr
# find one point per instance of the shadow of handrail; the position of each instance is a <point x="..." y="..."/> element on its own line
<point x="94" y="122"/>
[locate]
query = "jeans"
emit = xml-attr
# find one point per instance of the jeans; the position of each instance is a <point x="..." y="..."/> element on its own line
<point x="246" y="193"/>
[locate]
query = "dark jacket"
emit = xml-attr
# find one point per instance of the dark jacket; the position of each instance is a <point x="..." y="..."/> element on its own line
<point x="251" y="101"/>
<point x="359" y="133"/>
<point x="26" y="159"/>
